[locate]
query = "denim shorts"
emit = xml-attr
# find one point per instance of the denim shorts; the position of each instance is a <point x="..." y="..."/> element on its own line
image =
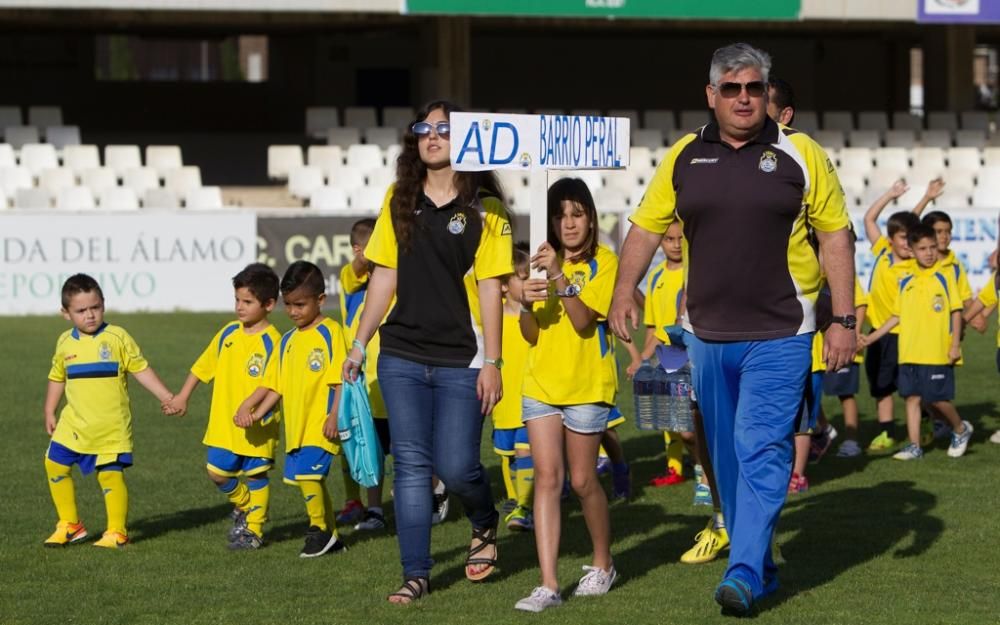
<point x="581" y="418"/>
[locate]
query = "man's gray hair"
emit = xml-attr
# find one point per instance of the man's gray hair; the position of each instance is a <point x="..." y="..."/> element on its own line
<point x="736" y="57"/>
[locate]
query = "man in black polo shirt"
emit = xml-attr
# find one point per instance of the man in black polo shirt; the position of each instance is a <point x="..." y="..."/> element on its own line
<point x="745" y="191"/>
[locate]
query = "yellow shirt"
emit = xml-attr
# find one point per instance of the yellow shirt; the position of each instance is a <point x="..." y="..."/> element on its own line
<point x="951" y="263"/>
<point x="235" y="362"/>
<point x="924" y="303"/>
<point x="988" y="297"/>
<point x="887" y="272"/>
<point x="664" y="289"/>
<point x="507" y="413"/>
<point x="860" y="299"/>
<point x="95" y="368"/>
<point x="308" y="368"/>
<point x="353" y="292"/>
<point x="565" y="368"/>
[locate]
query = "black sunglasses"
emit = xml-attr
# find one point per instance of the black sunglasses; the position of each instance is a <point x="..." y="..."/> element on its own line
<point x="422" y="129"/>
<point x="755" y="88"/>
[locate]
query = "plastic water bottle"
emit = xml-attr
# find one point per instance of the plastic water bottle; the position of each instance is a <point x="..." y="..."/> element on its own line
<point x="678" y="403"/>
<point x="642" y="395"/>
<point x="661" y="399"/>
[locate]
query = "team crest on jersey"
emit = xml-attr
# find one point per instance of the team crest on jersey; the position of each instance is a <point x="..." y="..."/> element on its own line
<point x="768" y="161"/>
<point x="104" y="351"/>
<point x="255" y="366"/>
<point x="938" y="303"/>
<point x="579" y="279"/>
<point x="456" y="225"/>
<point x="315" y="360"/>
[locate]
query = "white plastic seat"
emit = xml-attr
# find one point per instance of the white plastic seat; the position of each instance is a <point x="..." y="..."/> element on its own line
<point x="624" y="179"/>
<point x="81" y="157"/>
<point x="163" y="158"/>
<point x="895" y="158"/>
<point x="38" y="156"/>
<point x="991" y="156"/>
<point x="118" y="199"/>
<point x="676" y="135"/>
<point x="905" y="120"/>
<point x="631" y="114"/>
<point x="853" y="182"/>
<point x="912" y="196"/>
<point x="935" y="138"/>
<point x="45" y="116"/>
<point x="986" y="197"/>
<point x="806" y="121"/>
<point x="329" y="199"/>
<point x="964" y="159"/>
<point x="928" y="158"/>
<point x="343" y="137"/>
<point x="967" y="138"/>
<point x="367" y="200"/>
<point x="7" y="157"/>
<point x="511" y="180"/>
<point x="319" y="119"/>
<point x="55" y="179"/>
<point x="974" y="120"/>
<point x="381" y="136"/>
<point x="661" y="119"/>
<point x="325" y="157"/>
<point x="140" y="179"/>
<point x="19" y="136"/>
<point x="591" y="177"/>
<point x="864" y="139"/>
<point x="881" y="178"/>
<point x="611" y="200"/>
<point x="302" y="181"/>
<point x="203" y="198"/>
<point x="953" y="198"/>
<point x="873" y="120"/>
<point x="381" y="178"/>
<point x="360" y="116"/>
<point x="75" y="199"/>
<point x="33" y="199"/>
<point x="391" y="154"/>
<point x="942" y="120"/>
<point x="14" y="178"/>
<point x="160" y="198"/>
<point x="180" y="180"/>
<point x="830" y="138"/>
<point x="692" y="119"/>
<point x="364" y="157"/>
<point x="900" y="139"/>
<point x="522" y="201"/>
<point x="282" y="159"/>
<point x="398" y="117"/>
<point x="651" y="138"/>
<point x="346" y="177"/>
<point x="10" y="116"/>
<point x="855" y="160"/>
<point x="122" y="157"/>
<point x="62" y="136"/>
<point x="838" y="120"/>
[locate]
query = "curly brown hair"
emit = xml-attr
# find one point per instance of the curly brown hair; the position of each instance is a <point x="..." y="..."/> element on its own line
<point x="411" y="173"/>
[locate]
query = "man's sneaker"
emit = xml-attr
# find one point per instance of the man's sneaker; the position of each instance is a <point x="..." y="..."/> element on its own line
<point x="352" y="512"/>
<point x="995" y="437"/>
<point x="539" y="599"/>
<point x="520" y="520"/>
<point x="508" y="506"/>
<point x="373" y="521"/>
<point x="670" y="478"/>
<point x="959" y="442"/>
<point x="881" y="444"/>
<point x="596" y="581"/>
<point x="798" y="484"/>
<point x="246" y="541"/>
<point x="603" y="465"/>
<point x="621" y="484"/>
<point x="239" y="518"/>
<point x="708" y="543"/>
<point x="320" y="541"/>
<point x="702" y="495"/>
<point x="112" y="540"/>
<point x="910" y="452"/>
<point x="820" y="442"/>
<point x="849" y="449"/>
<point x="66" y="534"/>
<point x="439" y="504"/>
<point x="735" y="597"/>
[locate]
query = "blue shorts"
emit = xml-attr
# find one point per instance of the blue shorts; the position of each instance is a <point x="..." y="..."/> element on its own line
<point x="812" y="400"/>
<point x="929" y="382"/>
<point x="307" y="463"/>
<point x="505" y="441"/>
<point x="65" y="456"/>
<point x="581" y="418"/>
<point x="224" y="462"/>
<point x="615" y="418"/>
<point x="842" y="382"/>
<point x="882" y="365"/>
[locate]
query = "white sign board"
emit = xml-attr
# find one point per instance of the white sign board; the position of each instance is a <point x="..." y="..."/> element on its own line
<point x="144" y="262"/>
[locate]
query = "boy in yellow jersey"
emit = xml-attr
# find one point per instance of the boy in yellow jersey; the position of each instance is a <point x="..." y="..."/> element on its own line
<point x="510" y="437"/>
<point x="307" y="380"/>
<point x="235" y="361"/>
<point x="928" y="311"/>
<point x="893" y="262"/>
<point x="983" y="307"/>
<point x="94" y="430"/>
<point x="353" y="289"/>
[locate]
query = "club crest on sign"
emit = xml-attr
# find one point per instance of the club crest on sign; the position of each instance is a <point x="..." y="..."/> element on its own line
<point x="315" y="360"/>
<point x="768" y="161"/>
<point x="255" y="366"/>
<point x="456" y="225"/>
<point x="525" y="160"/>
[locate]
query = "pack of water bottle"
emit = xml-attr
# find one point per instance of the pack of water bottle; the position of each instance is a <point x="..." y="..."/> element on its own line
<point x="662" y="399"/>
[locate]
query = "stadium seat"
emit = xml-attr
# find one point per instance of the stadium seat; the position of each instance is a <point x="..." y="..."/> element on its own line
<point x="936" y="138"/>
<point x="624" y="179"/>
<point x="610" y="200"/>
<point x="140" y="179"/>
<point x="160" y="198"/>
<point x="964" y="159"/>
<point x="391" y="154"/>
<point x="838" y="120"/>
<point x="522" y="201"/>
<point x="592" y="178"/>
<point x="33" y="199"/>
<point x="10" y="116"/>
<point x="676" y="135"/>
<point x="942" y="120"/>
<point x="360" y="116"/>
<point x="302" y="181"/>
<point x="894" y="158"/>
<point x="75" y="199"/>
<point x="7" y="158"/>
<point x="381" y="136"/>
<point x="693" y="118"/>
<point x="928" y="158"/>
<point x="81" y="157"/>
<point x="281" y="159"/>
<point x="203" y="198"/>
<point x="830" y="138"/>
<point x="364" y="157"/>
<point x="38" y="156"/>
<point x="661" y="119"/>
<point x="367" y="200"/>
<point x="122" y="157"/>
<point x="319" y="119"/>
<point x="346" y="177"/>
<point x="806" y="121"/>
<point x="986" y="197"/>
<point x="905" y="120"/>
<point x="45" y="116"/>
<point x="881" y="178"/>
<point x="324" y="156"/>
<point x="19" y="136"/>
<point x="631" y="114"/>
<point x="163" y="158"/>
<point x="510" y="180"/>
<point x="974" y="120"/>
<point x="900" y="138"/>
<point x="329" y="199"/>
<point x="381" y="178"/>
<point x="855" y="160"/>
<point x="62" y="136"/>
<point x="864" y="139"/>
<point x="853" y="182"/>
<point x="343" y="137"/>
<point x="953" y="198"/>
<point x="991" y="156"/>
<point x="119" y="199"/>
<point x="180" y="180"/>
<point x="98" y="179"/>
<point x="14" y="178"/>
<point x="398" y="117"/>
<point x="970" y="138"/>
<point x="640" y="160"/>
<point x="873" y="120"/>
<point x="55" y="179"/>
<point x="913" y="194"/>
<point x="4" y="200"/>
<point x="651" y="138"/>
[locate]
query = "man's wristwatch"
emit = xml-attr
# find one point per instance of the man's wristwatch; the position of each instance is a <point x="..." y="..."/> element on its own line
<point x="572" y="290"/>
<point x="848" y="321"/>
<point x="496" y="362"/>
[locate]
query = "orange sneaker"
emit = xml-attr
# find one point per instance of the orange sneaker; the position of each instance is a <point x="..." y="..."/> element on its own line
<point x="66" y="534"/>
<point x="112" y="540"/>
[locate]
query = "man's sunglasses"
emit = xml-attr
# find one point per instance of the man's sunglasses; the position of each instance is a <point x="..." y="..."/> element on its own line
<point x="755" y="89"/>
<point x="422" y="129"/>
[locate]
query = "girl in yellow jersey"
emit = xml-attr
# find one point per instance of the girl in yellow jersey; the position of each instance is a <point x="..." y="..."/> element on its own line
<point x="569" y="383"/>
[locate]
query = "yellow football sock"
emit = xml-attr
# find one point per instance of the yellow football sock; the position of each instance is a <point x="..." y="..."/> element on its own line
<point x="312" y="493"/>
<point x="601" y="452"/>
<point x="525" y="480"/>
<point x="675" y="452"/>
<point x="260" y="497"/>
<point x="351" y="488"/>
<point x="508" y="478"/>
<point x="115" y="499"/>
<point x="239" y="496"/>
<point x="63" y="491"/>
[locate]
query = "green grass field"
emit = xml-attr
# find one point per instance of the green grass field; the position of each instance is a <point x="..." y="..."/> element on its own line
<point x="873" y="541"/>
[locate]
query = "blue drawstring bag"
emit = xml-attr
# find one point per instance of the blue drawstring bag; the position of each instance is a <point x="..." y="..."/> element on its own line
<point x="358" y="440"/>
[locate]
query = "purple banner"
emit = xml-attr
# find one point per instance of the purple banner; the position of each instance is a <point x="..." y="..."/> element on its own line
<point x="958" y="11"/>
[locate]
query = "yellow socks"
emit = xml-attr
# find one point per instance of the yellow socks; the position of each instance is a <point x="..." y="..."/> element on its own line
<point x="525" y="481"/>
<point x="319" y="506"/>
<point x="508" y="478"/>
<point x="675" y="453"/>
<point x="259" y="489"/>
<point x="115" y="499"/>
<point x="63" y="492"/>
<point x="237" y="492"/>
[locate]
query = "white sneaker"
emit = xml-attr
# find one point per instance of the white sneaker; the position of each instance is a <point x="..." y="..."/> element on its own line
<point x="959" y="442"/>
<point x="539" y="599"/>
<point x="996" y="437"/>
<point x="596" y="581"/>
<point x="910" y="452"/>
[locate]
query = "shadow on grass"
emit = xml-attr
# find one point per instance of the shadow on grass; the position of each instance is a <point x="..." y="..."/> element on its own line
<point x="153" y="527"/>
